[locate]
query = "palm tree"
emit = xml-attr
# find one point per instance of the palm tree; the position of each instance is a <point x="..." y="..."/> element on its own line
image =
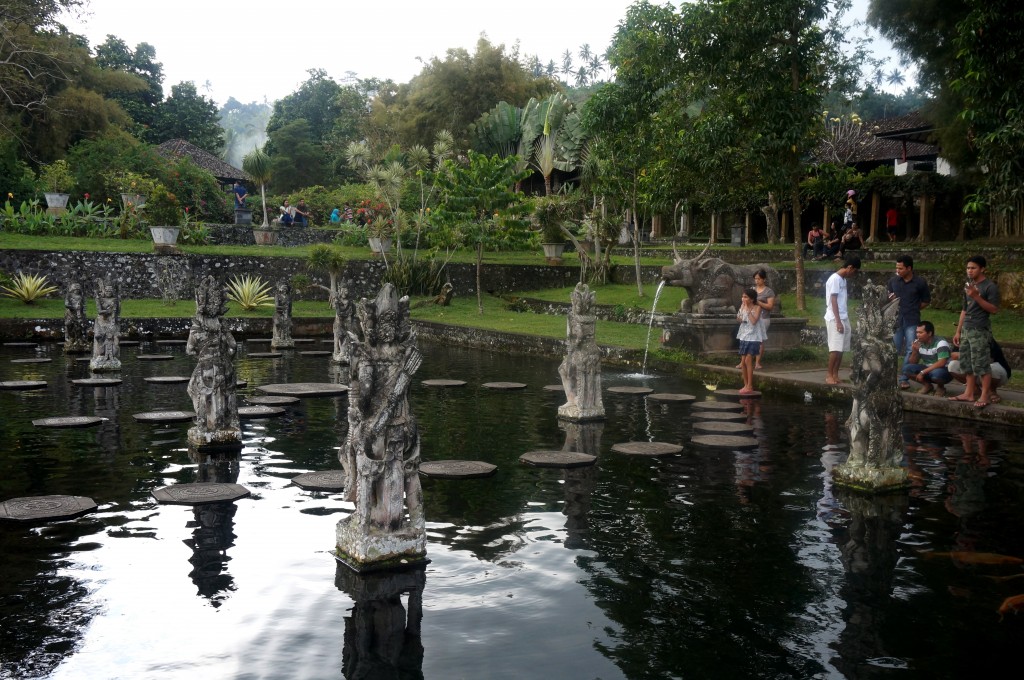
<point x="895" y="77"/>
<point x="585" y="53"/>
<point x="582" y="74"/>
<point x="257" y="166"/>
<point x="567" y="63"/>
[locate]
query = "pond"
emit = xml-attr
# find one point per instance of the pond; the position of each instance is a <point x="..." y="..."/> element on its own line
<point x="709" y="563"/>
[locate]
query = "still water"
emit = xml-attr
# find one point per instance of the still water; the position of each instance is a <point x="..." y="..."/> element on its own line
<point x="710" y="563"/>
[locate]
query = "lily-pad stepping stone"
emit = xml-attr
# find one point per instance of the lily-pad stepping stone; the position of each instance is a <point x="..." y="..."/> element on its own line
<point x="19" y="344"/>
<point x="96" y="382"/>
<point x="736" y="394"/>
<point x="68" y="421"/>
<point x="167" y="343"/>
<point x="555" y="388"/>
<point x="442" y="382"/>
<point x="154" y="357"/>
<point x="34" y="360"/>
<point x="305" y="389"/>
<point x="264" y="355"/>
<point x="723" y="427"/>
<point x="647" y="448"/>
<point x="324" y="480"/>
<point x="261" y="411"/>
<point x="22" y="384"/>
<point x="167" y="379"/>
<point x="505" y="385"/>
<point x="36" y="508"/>
<point x="270" y="400"/>
<point x="316" y="353"/>
<point x="457" y="469"/>
<point x="628" y="389"/>
<point x="670" y="396"/>
<point x="557" y="459"/>
<point x="718" y="405"/>
<point x="200" y="493"/>
<point x="164" y="416"/>
<point x="725" y="441"/>
<point x="720" y="415"/>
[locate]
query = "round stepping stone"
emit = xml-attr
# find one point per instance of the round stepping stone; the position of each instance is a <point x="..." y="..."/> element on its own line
<point x="324" y="480"/>
<point x="301" y="341"/>
<point x="304" y="389"/>
<point x="718" y="405"/>
<point x="249" y="412"/>
<point x="34" y="360"/>
<point x="164" y="416"/>
<point x="647" y="448"/>
<point x="442" y="382"/>
<point x="720" y="415"/>
<point x="97" y="382"/>
<point x="128" y="343"/>
<point x="260" y="340"/>
<point x="505" y="385"/>
<point x="269" y="400"/>
<point x="724" y="441"/>
<point x="154" y="357"/>
<point x="22" y="384"/>
<point x="19" y="344"/>
<point x="457" y="469"/>
<point x="167" y="379"/>
<point x="627" y="389"/>
<point x="316" y="353"/>
<point x="264" y="355"/>
<point x="736" y="394"/>
<point x="167" y="343"/>
<point x="723" y="427"/>
<point x="199" y="493"/>
<point x="670" y="396"/>
<point x="557" y="459"/>
<point x="68" y="421"/>
<point x="35" y="508"/>
<point x="555" y="388"/>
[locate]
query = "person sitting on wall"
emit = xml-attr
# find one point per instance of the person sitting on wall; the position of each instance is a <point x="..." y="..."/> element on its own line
<point x="287" y="214"/>
<point x="815" y="241"/>
<point x="1000" y="370"/>
<point x="302" y="213"/>
<point x="852" y="240"/>
<point x="928" y="363"/>
<point x="335" y="216"/>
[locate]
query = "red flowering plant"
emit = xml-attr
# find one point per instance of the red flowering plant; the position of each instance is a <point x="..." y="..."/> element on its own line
<point x="375" y="216"/>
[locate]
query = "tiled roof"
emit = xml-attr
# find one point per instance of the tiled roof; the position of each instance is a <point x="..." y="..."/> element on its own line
<point x="179" y="148"/>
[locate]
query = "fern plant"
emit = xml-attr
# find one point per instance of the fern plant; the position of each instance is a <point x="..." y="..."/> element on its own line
<point x="249" y="292"/>
<point x="28" y="287"/>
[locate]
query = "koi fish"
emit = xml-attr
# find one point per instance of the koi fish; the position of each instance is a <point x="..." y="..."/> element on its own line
<point x="1003" y="579"/>
<point x="967" y="557"/>
<point x="1011" y="604"/>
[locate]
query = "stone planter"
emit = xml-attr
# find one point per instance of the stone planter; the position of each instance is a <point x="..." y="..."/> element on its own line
<point x="264" y="237"/>
<point x="165" y="239"/>
<point x="553" y="252"/>
<point x="379" y="246"/>
<point x="137" y="201"/>
<point x="56" y="203"/>
<point x="243" y="216"/>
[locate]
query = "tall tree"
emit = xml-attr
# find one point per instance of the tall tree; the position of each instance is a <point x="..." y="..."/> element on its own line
<point x="297" y="161"/>
<point x="188" y="115"/>
<point x="140" y="103"/>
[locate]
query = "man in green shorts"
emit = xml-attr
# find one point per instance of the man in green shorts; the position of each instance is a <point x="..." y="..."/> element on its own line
<point x="974" y="332"/>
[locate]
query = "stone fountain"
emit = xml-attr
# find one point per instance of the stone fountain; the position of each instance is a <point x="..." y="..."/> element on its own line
<point x="106" y="334"/>
<point x="581" y="369"/>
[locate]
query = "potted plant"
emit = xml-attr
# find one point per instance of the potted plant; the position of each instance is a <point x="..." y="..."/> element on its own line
<point x="57" y="180"/>
<point x="133" y="187"/>
<point x="257" y="166"/>
<point x="164" y="213"/>
<point x="548" y="213"/>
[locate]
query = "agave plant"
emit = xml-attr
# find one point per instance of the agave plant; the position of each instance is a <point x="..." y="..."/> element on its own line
<point x="250" y="292"/>
<point x="28" y="287"/>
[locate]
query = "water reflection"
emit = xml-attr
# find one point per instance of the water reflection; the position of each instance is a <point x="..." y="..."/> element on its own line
<point x="213" y="528"/>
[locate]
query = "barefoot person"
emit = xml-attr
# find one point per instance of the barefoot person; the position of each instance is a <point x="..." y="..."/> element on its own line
<point x="750" y="336"/>
<point x="766" y="301"/>
<point x="837" y="319"/>
<point x="974" y="333"/>
<point x="929" y="361"/>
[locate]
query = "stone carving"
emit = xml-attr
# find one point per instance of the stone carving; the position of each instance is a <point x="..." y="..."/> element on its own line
<point x="282" y="336"/>
<point x="580" y="370"/>
<point x="713" y="286"/>
<point x="212" y="386"/>
<point x="381" y="452"/>
<point x="876" y="418"/>
<point x="106" y="334"/>
<point x="344" y="321"/>
<point x="76" y="325"/>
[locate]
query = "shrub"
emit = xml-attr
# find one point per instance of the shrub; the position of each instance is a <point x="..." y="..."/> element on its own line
<point x="162" y="208"/>
<point x="56" y="178"/>
<point x="28" y="287"/>
<point x="249" y="292"/>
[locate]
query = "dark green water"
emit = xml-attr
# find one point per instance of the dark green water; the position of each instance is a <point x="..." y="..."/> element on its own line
<point x="705" y="564"/>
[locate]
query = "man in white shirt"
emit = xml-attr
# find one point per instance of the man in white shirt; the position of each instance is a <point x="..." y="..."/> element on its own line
<point x="837" y="319"/>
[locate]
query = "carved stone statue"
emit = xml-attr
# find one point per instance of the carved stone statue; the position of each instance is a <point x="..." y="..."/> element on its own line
<point x="876" y="419"/>
<point x="381" y="453"/>
<point x="106" y="334"/>
<point x="76" y="325"/>
<point x="282" y="337"/>
<point x="581" y="368"/>
<point x="212" y="386"/>
<point x="344" y="322"/>
<point x="713" y="286"/>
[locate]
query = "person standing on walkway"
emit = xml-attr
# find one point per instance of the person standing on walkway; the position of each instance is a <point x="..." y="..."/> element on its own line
<point x="750" y="335"/>
<point x="974" y="332"/>
<point x="914" y="295"/>
<point x="837" y="318"/>
<point x="766" y="302"/>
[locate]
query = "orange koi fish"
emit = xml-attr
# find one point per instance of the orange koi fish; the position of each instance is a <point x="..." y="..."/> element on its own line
<point x="1011" y="604"/>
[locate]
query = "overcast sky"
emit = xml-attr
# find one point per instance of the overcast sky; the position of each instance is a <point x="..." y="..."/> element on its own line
<point x="261" y="49"/>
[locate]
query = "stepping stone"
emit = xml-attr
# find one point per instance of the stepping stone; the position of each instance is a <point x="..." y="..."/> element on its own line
<point x="719" y="415"/>
<point x="442" y="382"/>
<point x="20" y="344"/>
<point x="725" y="441"/>
<point x="301" y="341"/>
<point x="154" y="357"/>
<point x="250" y="412"/>
<point x="735" y="394"/>
<point x="171" y="342"/>
<point x="164" y="416"/>
<point x="647" y="448"/>
<point x="34" y="360"/>
<point x="22" y="384"/>
<point x="555" y="388"/>
<point x="35" y="508"/>
<point x="324" y="480"/>
<point x="128" y="343"/>
<point x="626" y="389"/>
<point x="316" y="353"/>
<point x="305" y="389"/>
<point x="69" y="421"/>
<point x="264" y="355"/>
<point x="723" y="427"/>
<point x="670" y="396"/>
<point x="327" y="341"/>
<point x="457" y="469"/>
<point x="718" y="405"/>
<point x="259" y="340"/>
<point x="167" y="379"/>
<point x="200" y="493"/>
<point x="505" y="385"/>
<point x="272" y="401"/>
<point x="97" y="382"/>
<point x="557" y="459"/>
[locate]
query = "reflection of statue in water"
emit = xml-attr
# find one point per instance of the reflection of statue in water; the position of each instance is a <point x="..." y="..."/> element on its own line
<point x="381" y="453"/>
<point x="213" y="529"/>
<point x="282" y="317"/>
<point x="76" y="325"/>
<point x="212" y="386"/>
<point x="106" y="339"/>
<point x="876" y="419"/>
<point x="581" y="368"/>
<point x="344" y="321"/>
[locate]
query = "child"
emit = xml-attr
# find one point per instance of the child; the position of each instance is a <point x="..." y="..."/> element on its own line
<point x="750" y="335"/>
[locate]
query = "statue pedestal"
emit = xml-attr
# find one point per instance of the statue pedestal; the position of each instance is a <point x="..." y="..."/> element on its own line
<point x="706" y="334"/>
<point x="365" y="550"/>
<point x="578" y="414"/>
<point x="216" y="440"/>
<point x="869" y="478"/>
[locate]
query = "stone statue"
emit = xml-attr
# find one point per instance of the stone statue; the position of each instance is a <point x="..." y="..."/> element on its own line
<point x="282" y="337"/>
<point x="212" y="386"/>
<point x="344" y="321"/>
<point x="713" y="286"/>
<point x="876" y="419"/>
<point x="106" y="334"/>
<point x="581" y="368"/>
<point x="76" y="325"/>
<point x="381" y="453"/>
